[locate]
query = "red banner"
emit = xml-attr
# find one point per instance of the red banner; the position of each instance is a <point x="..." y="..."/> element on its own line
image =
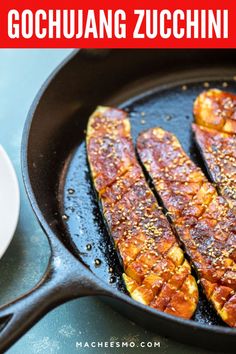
<point x="118" y="24"/>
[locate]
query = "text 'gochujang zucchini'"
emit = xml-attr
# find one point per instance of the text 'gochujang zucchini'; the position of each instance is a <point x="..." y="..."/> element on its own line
<point x="203" y="220"/>
<point x="155" y="270"/>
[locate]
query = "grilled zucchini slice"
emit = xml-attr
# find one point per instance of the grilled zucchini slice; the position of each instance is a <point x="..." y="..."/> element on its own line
<point x="155" y="270"/>
<point x="216" y="109"/>
<point x="204" y="221"/>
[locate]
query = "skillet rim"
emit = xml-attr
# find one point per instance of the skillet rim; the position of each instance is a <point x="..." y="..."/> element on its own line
<point x="49" y="233"/>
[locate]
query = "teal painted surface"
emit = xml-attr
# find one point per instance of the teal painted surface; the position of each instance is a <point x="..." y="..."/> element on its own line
<point x="22" y="72"/>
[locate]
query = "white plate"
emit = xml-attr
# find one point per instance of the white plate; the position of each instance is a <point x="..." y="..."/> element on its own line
<point x="9" y="201"/>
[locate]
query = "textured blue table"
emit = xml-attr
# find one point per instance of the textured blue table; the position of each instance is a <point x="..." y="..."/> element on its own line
<point x="21" y="74"/>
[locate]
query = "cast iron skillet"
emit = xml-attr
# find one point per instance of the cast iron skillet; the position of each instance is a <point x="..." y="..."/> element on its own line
<point x="157" y="87"/>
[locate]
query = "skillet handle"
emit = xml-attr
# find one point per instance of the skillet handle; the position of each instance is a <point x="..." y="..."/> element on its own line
<point x="65" y="279"/>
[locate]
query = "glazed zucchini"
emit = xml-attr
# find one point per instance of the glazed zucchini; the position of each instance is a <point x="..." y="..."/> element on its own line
<point x="203" y="220"/>
<point x="215" y="115"/>
<point x="216" y="109"/>
<point x="219" y="154"/>
<point x="155" y="270"/>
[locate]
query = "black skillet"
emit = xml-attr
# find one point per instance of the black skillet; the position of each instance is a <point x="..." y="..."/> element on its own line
<point x="157" y="87"/>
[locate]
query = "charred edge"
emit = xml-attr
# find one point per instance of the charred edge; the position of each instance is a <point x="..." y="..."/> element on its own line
<point x="98" y="203"/>
<point x="151" y="185"/>
<point x="204" y="165"/>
